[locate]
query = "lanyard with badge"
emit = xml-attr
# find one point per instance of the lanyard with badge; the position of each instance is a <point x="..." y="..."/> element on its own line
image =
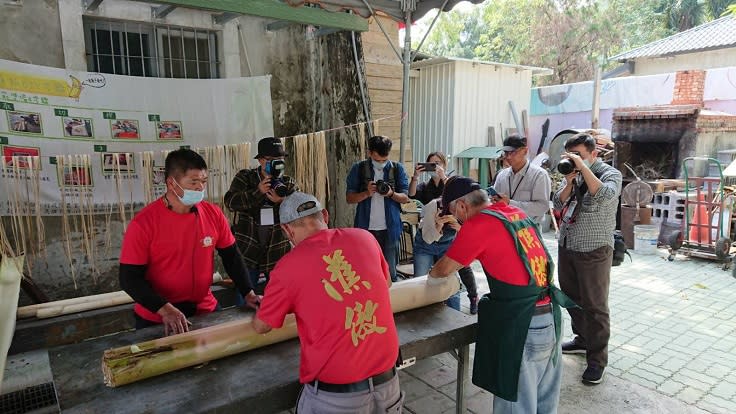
<point x="519" y="183"/>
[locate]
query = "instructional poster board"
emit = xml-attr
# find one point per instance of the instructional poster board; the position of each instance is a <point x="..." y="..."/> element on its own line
<point x="98" y="125"/>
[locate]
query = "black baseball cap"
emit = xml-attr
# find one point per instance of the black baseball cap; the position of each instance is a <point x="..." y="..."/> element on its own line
<point x="270" y="147"/>
<point x="455" y="188"/>
<point x="513" y="142"/>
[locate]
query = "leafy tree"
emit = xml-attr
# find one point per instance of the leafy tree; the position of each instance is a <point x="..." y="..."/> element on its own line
<point x="717" y="8"/>
<point x="681" y="15"/>
<point x="455" y="34"/>
<point x="568" y="36"/>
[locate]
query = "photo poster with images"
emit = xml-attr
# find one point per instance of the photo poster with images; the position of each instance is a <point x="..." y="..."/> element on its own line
<point x="58" y="115"/>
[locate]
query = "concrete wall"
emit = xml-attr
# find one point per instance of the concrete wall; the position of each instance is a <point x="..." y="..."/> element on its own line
<point x="700" y="60"/>
<point x="20" y="37"/>
<point x="313" y="86"/>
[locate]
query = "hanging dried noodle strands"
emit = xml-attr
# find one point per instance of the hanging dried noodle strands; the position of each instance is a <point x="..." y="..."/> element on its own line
<point x="147" y="176"/>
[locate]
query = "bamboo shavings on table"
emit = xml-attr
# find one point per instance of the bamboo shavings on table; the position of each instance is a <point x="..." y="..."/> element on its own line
<point x="136" y="362"/>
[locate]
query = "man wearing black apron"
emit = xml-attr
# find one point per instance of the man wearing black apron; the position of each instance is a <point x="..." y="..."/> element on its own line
<point x="517" y="354"/>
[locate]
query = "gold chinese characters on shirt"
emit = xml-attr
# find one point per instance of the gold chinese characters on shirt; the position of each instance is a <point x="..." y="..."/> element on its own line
<point x="360" y="319"/>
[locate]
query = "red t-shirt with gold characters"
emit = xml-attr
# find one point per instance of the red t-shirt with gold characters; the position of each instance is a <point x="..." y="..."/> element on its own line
<point x="336" y="283"/>
<point x="485" y="238"/>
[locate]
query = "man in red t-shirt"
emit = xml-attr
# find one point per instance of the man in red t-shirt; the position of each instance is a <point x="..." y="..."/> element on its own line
<point x="336" y="282"/>
<point x="167" y="256"/>
<point x="517" y="351"/>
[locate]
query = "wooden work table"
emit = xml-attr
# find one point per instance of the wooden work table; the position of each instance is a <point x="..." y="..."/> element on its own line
<point x="259" y="381"/>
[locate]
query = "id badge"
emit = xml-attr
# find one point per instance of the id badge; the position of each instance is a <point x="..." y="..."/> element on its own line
<point x="570" y="211"/>
<point x="267" y="216"/>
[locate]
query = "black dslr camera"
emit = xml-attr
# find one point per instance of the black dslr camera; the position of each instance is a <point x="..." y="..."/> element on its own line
<point x="565" y="166"/>
<point x="275" y="168"/>
<point x="382" y="187"/>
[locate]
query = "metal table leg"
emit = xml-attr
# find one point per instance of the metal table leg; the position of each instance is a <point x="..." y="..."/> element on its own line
<point x="463" y="360"/>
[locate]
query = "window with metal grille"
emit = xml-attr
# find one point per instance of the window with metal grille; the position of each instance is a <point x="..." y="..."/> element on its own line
<point x="143" y="49"/>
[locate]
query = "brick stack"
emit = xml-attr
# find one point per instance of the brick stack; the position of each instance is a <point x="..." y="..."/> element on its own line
<point x="689" y="87"/>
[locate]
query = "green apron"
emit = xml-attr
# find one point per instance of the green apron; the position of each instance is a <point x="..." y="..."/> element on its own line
<point x="504" y="316"/>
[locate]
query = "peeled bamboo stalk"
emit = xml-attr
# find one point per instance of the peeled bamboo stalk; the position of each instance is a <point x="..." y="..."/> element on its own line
<point x="50" y="312"/>
<point x="132" y="363"/>
<point x="90" y="302"/>
<point x="11" y="272"/>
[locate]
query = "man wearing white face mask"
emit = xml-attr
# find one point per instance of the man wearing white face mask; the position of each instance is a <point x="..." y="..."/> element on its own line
<point x="379" y="188"/>
<point x="588" y="200"/>
<point x="167" y="256"/>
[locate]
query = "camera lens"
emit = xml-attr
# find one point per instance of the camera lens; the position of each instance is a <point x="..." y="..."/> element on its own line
<point x="279" y="187"/>
<point x="565" y="167"/>
<point x="382" y="187"/>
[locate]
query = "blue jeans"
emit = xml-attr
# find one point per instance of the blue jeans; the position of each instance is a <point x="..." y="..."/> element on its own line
<point x="426" y="255"/>
<point x="540" y="375"/>
<point x="390" y="250"/>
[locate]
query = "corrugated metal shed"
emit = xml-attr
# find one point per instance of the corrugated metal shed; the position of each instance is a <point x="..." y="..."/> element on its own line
<point x="455" y="101"/>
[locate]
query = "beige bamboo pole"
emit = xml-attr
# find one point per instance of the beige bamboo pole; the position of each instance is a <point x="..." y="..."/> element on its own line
<point x="99" y="301"/>
<point x="128" y="364"/>
<point x="52" y="311"/>
<point x="11" y="272"/>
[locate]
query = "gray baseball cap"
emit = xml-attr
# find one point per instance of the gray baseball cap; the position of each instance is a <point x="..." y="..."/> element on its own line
<point x="297" y="205"/>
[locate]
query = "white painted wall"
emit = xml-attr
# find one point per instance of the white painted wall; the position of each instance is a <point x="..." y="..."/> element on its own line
<point x="699" y="60"/>
<point x="72" y="29"/>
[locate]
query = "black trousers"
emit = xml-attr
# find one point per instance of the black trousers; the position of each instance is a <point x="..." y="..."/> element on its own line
<point x="585" y="278"/>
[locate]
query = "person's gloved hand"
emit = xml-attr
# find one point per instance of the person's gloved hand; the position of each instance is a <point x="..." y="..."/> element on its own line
<point x="434" y="281"/>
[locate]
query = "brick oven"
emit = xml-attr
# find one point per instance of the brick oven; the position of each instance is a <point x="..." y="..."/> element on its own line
<point x="654" y="140"/>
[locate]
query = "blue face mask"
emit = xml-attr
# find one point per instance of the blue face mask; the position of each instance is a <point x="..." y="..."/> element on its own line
<point x="379" y="165"/>
<point x="432" y="174"/>
<point x="190" y="197"/>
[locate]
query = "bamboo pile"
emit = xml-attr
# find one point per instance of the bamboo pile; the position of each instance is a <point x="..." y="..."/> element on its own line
<point x="66" y="306"/>
<point x="132" y="363"/>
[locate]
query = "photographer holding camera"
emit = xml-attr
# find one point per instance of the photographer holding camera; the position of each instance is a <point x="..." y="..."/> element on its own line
<point x="437" y="231"/>
<point x="378" y="186"/>
<point x="255" y="195"/>
<point x="588" y="202"/>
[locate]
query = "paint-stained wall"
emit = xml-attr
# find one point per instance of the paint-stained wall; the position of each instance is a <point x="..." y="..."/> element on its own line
<point x="314" y="87"/>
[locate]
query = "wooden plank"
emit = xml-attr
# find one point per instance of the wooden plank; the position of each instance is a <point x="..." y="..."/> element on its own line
<point x="393" y="70"/>
<point x="384" y="84"/>
<point x="377" y="37"/>
<point x="384" y="96"/>
<point x="278" y="10"/>
<point x="391" y="27"/>
<point x="391" y="132"/>
<point x="76" y="369"/>
<point x="381" y="54"/>
<point x="383" y="108"/>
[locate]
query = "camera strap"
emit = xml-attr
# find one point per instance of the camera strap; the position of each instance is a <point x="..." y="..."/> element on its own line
<point x="572" y="207"/>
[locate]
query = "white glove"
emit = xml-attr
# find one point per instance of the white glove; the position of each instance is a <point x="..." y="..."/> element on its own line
<point x="434" y="281"/>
